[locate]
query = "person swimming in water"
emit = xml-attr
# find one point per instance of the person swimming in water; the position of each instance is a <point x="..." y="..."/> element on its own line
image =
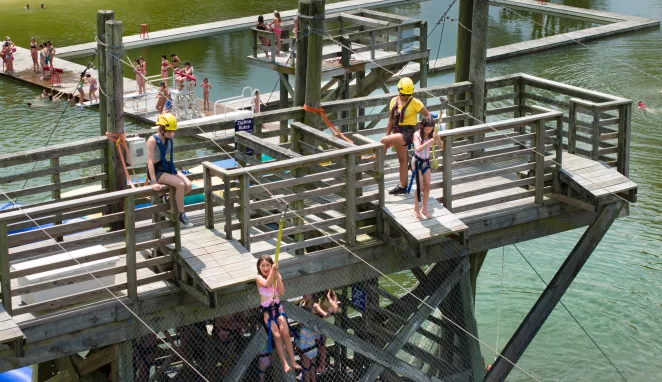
<point x="641" y="105"/>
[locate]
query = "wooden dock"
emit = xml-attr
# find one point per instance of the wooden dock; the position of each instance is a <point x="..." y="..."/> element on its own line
<point x="494" y="192"/>
<point x="218" y="27"/>
<point x="10" y="333"/>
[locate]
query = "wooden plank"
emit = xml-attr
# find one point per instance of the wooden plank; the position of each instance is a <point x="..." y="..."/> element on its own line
<point x="244" y="360"/>
<point x="368" y="22"/>
<point x="419" y="318"/>
<point x="356" y="344"/>
<point x="321" y="136"/>
<point x="350" y="200"/>
<point x="540" y="162"/>
<point x="94" y="360"/>
<point x="553" y="293"/>
<point x="5" y="278"/>
<point x="260" y="145"/>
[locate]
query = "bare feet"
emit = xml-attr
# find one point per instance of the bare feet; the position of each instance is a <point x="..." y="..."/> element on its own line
<point x="297" y="367"/>
<point x="426" y="213"/>
<point x="286" y="368"/>
<point x="417" y="215"/>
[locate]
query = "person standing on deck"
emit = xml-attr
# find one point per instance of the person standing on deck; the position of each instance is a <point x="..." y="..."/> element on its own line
<point x="401" y="127"/>
<point x="34" y="53"/>
<point x="51" y="53"/>
<point x="161" y="164"/>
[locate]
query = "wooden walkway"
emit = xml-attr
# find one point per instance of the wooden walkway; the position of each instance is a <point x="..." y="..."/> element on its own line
<point x="218" y="27"/>
<point x="595" y="181"/>
<point x="211" y="262"/>
<point x="10" y="333"/>
<point x="400" y="215"/>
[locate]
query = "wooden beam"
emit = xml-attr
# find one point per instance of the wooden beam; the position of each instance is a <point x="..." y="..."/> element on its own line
<point x="356" y="344"/>
<point x="476" y="260"/>
<point x="94" y="360"/>
<point x="419" y="317"/>
<point x="286" y="82"/>
<point x="321" y="136"/>
<point x="263" y="146"/>
<point x="125" y="361"/>
<point x="553" y="292"/>
<point x="368" y="22"/>
<point x="244" y="361"/>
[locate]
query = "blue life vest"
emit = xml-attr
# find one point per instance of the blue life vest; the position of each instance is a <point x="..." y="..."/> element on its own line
<point x="165" y="165"/>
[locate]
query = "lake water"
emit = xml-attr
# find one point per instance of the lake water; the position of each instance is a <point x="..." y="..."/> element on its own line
<point x="617" y="296"/>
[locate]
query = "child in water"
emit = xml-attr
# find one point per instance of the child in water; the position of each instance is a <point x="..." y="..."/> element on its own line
<point x="205" y="94"/>
<point x="424" y="140"/>
<point x="273" y="316"/>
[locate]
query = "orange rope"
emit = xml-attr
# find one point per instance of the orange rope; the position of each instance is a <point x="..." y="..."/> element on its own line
<point x="120" y="144"/>
<point x="334" y="130"/>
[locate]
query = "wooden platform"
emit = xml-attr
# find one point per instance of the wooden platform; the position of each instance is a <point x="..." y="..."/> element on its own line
<point x="217" y="27"/>
<point x="10" y="333"/>
<point x="596" y="181"/>
<point x="211" y="262"/>
<point x="400" y="215"/>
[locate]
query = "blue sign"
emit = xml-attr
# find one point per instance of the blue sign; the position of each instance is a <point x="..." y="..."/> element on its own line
<point x="247" y="126"/>
<point x="358" y="298"/>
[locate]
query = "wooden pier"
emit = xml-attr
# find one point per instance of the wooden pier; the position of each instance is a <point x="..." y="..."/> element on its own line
<point x="486" y="194"/>
<point x="218" y="27"/>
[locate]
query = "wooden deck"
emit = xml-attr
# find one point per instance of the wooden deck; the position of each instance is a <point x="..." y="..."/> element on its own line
<point x="10" y="333"/>
<point x="400" y="215"/>
<point x="218" y="27"/>
<point x="595" y="181"/>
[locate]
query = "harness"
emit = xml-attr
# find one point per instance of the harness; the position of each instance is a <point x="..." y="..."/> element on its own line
<point x="274" y="312"/>
<point x="420" y="165"/>
<point x="399" y="116"/>
<point x="167" y="166"/>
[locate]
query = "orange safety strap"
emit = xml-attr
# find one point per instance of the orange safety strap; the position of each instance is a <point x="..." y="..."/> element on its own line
<point x="334" y="130"/>
<point x="120" y="143"/>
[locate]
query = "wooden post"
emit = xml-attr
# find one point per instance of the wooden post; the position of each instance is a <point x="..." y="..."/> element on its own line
<point x="448" y="172"/>
<point x="350" y="200"/>
<point x="624" y="126"/>
<point x="477" y="66"/>
<point x="244" y="210"/>
<point x="463" y="50"/>
<point x="125" y="361"/>
<point x="5" y="281"/>
<point x="540" y="162"/>
<point x="595" y="137"/>
<point x="102" y="17"/>
<point x="379" y="174"/>
<point x="360" y="75"/>
<point x="553" y="292"/>
<point x="314" y="64"/>
<point x="301" y="65"/>
<point x="209" y="204"/>
<point x="228" y="206"/>
<point x="130" y="243"/>
<point x="476" y="261"/>
<point x="572" y="126"/>
<point x="174" y="218"/>
<point x="423" y="63"/>
<point x="559" y="154"/>
<point x="283" y="103"/>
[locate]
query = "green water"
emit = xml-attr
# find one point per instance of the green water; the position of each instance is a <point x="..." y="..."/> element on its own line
<point x="616" y="296"/>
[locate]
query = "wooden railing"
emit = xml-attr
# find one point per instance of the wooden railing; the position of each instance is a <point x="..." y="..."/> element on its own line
<point x="35" y="259"/>
<point x="595" y="125"/>
<point x="332" y="190"/>
<point x="504" y="143"/>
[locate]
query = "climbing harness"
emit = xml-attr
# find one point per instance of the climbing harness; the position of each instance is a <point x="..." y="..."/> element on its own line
<point x="421" y="167"/>
<point x="121" y="146"/>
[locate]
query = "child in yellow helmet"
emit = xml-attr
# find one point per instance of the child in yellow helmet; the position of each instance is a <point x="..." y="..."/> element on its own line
<point x="161" y="164"/>
<point x="401" y="127"/>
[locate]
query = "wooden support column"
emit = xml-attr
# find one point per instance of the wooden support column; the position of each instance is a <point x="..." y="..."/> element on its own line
<point x="595" y="137"/>
<point x="314" y="64"/>
<point x="476" y="259"/>
<point x="360" y="75"/>
<point x="209" y="203"/>
<point x="5" y="281"/>
<point x="244" y="210"/>
<point x="102" y="17"/>
<point x="301" y="64"/>
<point x="125" y="370"/>
<point x="55" y="194"/>
<point x="350" y="200"/>
<point x="553" y="292"/>
<point x="284" y="101"/>
<point x="540" y="162"/>
<point x="624" y="129"/>
<point x="42" y="372"/>
<point x="463" y="50"/>
<point x="130" y="243"/>
<point x="114" y="111"/>
<point x="477" y="66"/>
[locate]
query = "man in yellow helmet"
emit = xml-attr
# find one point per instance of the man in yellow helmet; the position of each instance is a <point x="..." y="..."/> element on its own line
<point x="401" y="127"/>
<point x="161" y="164"/>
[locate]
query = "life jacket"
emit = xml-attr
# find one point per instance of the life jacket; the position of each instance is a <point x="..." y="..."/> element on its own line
<point x="166" y="165"/>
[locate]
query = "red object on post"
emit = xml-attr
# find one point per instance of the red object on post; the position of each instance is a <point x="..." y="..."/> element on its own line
<point x="55" y="76"/>
<point x="143" y="31"/>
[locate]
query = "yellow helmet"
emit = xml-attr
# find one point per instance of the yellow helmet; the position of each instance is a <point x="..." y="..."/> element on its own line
<point x="168" y="121"/>
<point x="406" y="86"/>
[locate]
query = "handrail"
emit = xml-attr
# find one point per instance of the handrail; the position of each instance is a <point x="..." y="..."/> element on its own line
<point x="462" y="132"/>
<point x="51" y="208"/>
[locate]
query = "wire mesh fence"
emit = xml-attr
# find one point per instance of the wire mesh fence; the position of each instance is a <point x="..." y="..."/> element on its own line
<point x="413" y="325"/>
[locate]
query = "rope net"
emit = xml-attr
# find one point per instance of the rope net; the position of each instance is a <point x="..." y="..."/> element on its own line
<point x="372" y="329"/>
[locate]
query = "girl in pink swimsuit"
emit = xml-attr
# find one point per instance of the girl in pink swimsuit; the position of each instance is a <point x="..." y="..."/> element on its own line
<point x="274" y="318"/>
<point x="424" y="140"/>
<point x="93" y="88"/>
<point x="276" y="28"/>
<point x="205" y="94"/>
